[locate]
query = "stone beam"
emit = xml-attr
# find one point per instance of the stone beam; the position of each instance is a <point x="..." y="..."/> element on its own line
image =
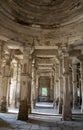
<point x="45" y="64"/>
<point x="46" y="56"/>
<point x="74" y="53"/>
<point x="46" y="47"/>
<point x="45" y="67"/>
<point x="44" y="60"/>
<point x="14" y="44"/>
<point x="46" y="52"/>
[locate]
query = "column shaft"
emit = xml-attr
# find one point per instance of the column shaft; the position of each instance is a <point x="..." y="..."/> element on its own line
<point x="60" y="87"/>
<point x="67" y="114"/>
<point x="25" y="87"/>
<point x="5" y="88"/>
<point x="74" y="77"/>
<point x="81" y="68"/>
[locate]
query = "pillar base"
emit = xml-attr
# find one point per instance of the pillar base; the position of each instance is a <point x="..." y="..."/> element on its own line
<point x="3" y="105"/>
<point x="67" y="113"/>
<point x="60" y="105"/>
<point x="23" y="111"/>
<point x="67" y="117"/>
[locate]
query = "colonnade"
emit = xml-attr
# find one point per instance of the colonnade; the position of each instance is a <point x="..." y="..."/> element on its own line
<point x="23" y="76"/>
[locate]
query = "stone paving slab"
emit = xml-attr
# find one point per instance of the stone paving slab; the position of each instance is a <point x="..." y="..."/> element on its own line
<point x="10" y="122"/>
<point x="3" y="128"/>
<point x="56" y="128"/>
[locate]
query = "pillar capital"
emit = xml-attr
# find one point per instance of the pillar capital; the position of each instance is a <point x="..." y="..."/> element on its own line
<point x="74" y="66"/>
<point x="65" y="49"/>
<point x="26" y="51"/>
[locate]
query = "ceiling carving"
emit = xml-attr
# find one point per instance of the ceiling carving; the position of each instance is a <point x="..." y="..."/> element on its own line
<point x="46" y="13"/>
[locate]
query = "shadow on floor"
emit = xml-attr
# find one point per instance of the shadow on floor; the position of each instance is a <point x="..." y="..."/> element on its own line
<point x="3" y="123"/>
<point x="44" y="123"/>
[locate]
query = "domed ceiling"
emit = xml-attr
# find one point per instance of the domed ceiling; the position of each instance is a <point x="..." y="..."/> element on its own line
<point x="50" y="19"/>
<point x="46" y="12"/>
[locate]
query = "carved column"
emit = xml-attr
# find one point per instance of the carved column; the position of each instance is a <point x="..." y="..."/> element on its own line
<point x="54" y="85"/>
<point x="81" y="71"/>
<point x="17" y="92"/>
<point x="25" y="87"/>
<point x="0" y="74"/>
<point x="57" y="81"/>
<point x="60" y="86"/>
<point x="67" y="114"/>
<point x="5" y="86"/>
<point x="33" y="89"/>
<point x="36" y="90"/>
<point x="29" y="85"/>
<point x="71" y="85"/>
<point x="74" y="77"/>
<point x="51" y="87"/>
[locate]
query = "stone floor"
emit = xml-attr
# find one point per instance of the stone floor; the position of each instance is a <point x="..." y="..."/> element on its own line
<point x="10" y="122"/>
<point x="44" y="108"/>
<point x="44" y="104"/>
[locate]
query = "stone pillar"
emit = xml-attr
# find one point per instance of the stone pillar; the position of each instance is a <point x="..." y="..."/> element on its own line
<point x="81" y="71"/>
<point x="74" y="77"/>
<point x="56" y="89"/>
<point x="60" y="86"/>
<point x="33" y="87"/>
<point x="51" y="87"/>
<point x="54" y="85"/>
<point x="0" y="74"/>
<point x="5" y="86"/>
<point x="71" y="86"/>
<point x="17" y="92"/>
<point x="13" y="86"/>
<point x="36" y="90"/>
<point x="25" y="87"/>
<point x="29" y="85"/>
<point x="67" y="114"/>
<point x="57" y="81"/>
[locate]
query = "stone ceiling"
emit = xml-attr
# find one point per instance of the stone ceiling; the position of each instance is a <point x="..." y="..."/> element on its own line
<point x="46" y="13"/>
<point x="41" y="22"/>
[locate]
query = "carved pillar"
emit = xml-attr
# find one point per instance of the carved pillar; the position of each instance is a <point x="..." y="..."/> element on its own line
<point x="17" y="92"/>
<point x="74" y="77"/>
<point x="29" y="85"/>
<point x="71" y="85"/>
<point x="5" y="86"/>
<point x="57" y="81"/>
<point x="81" y="71"/>
<point x="67" y="114"/>
<point x="33" y="89"/>
<point x="25" y="87"/>
<point x="60" y="86"/>
<point x="36" y="90"/>
<point x="0" y="74"/>
<point x="51" y="87"/>
<point x="54" y="86"/>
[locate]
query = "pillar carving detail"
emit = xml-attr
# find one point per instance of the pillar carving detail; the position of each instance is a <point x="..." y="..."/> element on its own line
<point x="67" y="114"/>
